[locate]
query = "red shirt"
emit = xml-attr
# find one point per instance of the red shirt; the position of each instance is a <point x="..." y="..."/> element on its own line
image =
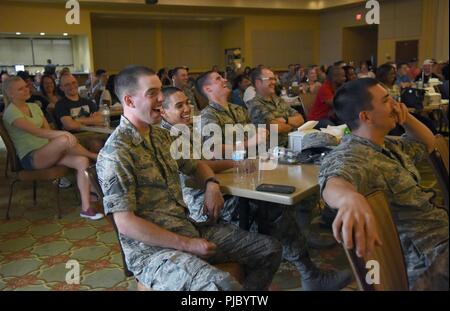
<point x="320" y="110"/>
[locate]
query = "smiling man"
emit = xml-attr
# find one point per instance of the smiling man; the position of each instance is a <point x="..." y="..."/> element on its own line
<point x="267" y="108"/>
<point x="368" y="160"/>
<point x="180" y="78"/>
<point x="141" y="186"/>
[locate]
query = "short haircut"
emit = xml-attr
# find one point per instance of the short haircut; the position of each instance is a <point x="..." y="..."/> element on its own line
<point x="167" y="92"/>
<point x="175" y="70"/>
<point x="6" y="85"/>
<point x="256" y="74"/>
<point x="352" y="98"/>
<point x="99" y="72"/>
<point x="127" y="79"/>
<point x="201" y="81"/>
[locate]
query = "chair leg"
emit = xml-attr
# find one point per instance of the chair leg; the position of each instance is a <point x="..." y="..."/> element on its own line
<point x="11" y="188"/>
<point x="57" y="198"/>
<point x="34" y="192"/>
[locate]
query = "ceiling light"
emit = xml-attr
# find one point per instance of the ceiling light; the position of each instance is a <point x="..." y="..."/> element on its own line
<point x="18" y="33"/>
<point x="42" y="33"/>
<point x="65" y="34"/>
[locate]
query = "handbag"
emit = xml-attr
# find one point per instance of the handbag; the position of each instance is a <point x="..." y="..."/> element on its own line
<point x="412" y="97"/>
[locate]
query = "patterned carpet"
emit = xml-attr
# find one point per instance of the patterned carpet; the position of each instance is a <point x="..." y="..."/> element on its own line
<point x="35" y="245"/>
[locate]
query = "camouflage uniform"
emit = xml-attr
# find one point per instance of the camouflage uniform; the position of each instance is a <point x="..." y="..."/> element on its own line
<point x="272" y="219"/>
<point x="216" y="114"/>
<point x="423" y="228"/>
<point x="263" y="111"/>
<point x="195" y="198"/>
<point x="138" y="174"/>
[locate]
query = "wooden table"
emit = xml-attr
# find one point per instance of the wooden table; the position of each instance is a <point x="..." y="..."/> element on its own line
<point x="97" y="129"/>
<point x="303" y="177"/>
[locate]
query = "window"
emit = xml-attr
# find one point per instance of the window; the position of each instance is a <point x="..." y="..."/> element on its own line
<point x="35" y="51"/>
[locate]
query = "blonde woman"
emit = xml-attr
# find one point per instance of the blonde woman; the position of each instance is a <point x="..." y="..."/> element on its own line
<point x="40" y="147"/>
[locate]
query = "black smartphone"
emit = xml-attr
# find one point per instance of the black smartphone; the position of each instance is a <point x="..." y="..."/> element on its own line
<point x="275" y="188"/>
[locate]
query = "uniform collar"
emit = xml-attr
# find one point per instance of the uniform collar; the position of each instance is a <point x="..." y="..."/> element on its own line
<point x="363" y="141"/>
<point x="129" y="129"/>
<point x="218" y="107"/>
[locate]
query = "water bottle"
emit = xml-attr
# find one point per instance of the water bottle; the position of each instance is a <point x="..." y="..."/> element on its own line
<point x="106" y="116"/>
<point x="238" y="157"/>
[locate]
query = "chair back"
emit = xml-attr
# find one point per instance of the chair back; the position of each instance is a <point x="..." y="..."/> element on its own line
<point x="92" y="173"/>
<point x="439" y="163"/>
<point x="307" y="101"/>
<point x="391" y="268"/>
<point x="10" y="149"/>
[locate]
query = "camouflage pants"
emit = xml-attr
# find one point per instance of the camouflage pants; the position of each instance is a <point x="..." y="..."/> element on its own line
<point x="259" y="255"/>
<point x="426" y="276"/>
<point x="279" y="221"/>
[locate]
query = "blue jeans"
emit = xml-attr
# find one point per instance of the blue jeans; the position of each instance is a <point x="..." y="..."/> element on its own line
<point x="27" y="161"/>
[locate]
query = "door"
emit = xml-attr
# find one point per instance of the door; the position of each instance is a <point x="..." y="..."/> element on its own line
<point x="406" y="50"/>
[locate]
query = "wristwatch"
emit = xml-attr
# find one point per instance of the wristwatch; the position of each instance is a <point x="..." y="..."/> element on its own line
<point x="211" y="179"/>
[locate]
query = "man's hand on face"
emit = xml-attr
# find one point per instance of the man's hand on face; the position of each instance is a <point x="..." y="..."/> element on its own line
<point x="401" y="113"/>
<point x="213" y="201"/>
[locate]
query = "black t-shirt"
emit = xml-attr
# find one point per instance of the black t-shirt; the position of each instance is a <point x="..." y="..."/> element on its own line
<point x="75" y="109"/>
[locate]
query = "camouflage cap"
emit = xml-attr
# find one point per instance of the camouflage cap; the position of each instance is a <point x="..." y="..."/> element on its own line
<point x="318" y="140"/>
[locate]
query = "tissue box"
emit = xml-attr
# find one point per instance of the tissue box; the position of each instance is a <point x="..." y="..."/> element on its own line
<point x="295" y="139"/>
<point x="432" y="99"/>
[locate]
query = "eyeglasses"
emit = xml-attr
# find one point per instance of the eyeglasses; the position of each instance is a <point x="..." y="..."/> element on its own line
<point x="268" y="78"/>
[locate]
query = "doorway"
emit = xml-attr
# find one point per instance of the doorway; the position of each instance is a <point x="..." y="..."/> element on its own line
<point x="406" y="50"/>
<point x="360" y="43"/>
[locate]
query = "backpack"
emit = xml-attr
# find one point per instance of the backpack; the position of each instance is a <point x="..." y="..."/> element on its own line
<point x="413" y="98"/>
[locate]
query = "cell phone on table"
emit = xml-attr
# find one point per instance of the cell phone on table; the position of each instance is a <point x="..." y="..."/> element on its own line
<point x="276" y="188"/>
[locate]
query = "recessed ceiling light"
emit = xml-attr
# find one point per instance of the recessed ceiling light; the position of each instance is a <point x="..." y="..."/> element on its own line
<point x="65" y="34"/>
<point x="18" y="33"/>
<point x="42" y="33"/>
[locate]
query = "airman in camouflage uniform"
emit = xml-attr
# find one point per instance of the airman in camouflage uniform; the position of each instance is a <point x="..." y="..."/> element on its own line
<point x="361" y="164"/>
<point x="138" y="174"/>
<point x="272" y="219"/>
<point x="266" y="107"/>
<point x="423" y="228"/>
<point x="180" y="76"/>
<point x="195" y="197"/>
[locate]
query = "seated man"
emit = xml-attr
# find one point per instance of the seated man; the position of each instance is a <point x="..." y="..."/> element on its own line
<point x="141" y="186"/>
<point x="101" y="78"/>
<point x="279" y="220"/>
<point x="73" y="111"/>
<point x="368" y="160"/>
<point x="322" y="109"/>
<point x="267" y="108"/>
<point x="180" y="78"/>
<point x="177" y="111"/>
